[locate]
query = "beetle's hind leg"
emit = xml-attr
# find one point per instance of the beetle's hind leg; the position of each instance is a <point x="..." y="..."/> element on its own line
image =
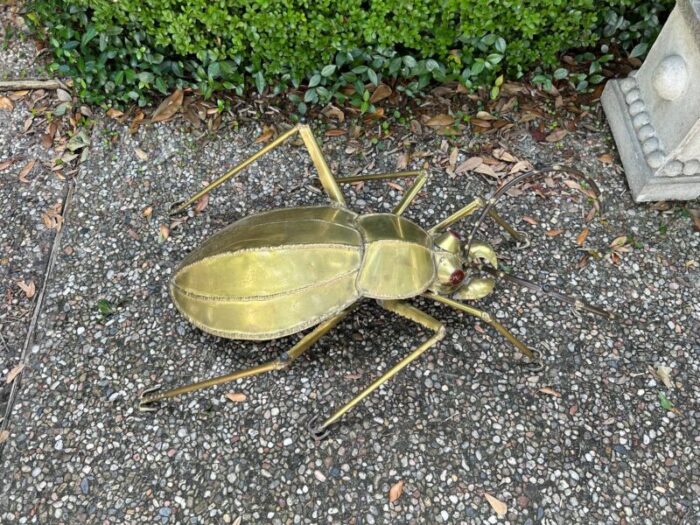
<point x="151" y="396"/>
<point x="414" y="314"/>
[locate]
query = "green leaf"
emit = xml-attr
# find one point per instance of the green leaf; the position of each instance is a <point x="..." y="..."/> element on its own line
<point x="431" y="65"/>
<point x="89" y="35"/>
<point x="259" y="81"/>
<point x="500" y="44"/>
<point x="328" y="70"/>
<point x="639" y="50"/>
<point x="561" y="73"/>
<point x="373" y="77"/>
<point x="315" y="80"/>
<point x="105" y="307"/>
<point x="410" y="61"/>
<point x="664" y="402"/>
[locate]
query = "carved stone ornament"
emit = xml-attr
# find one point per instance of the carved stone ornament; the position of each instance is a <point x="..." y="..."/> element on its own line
<point x="654" y="113"/>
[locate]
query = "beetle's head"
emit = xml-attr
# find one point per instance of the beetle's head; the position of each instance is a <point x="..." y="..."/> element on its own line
<point x="456" y="273"/>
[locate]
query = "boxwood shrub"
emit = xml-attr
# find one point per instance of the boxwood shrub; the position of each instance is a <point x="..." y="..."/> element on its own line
<point x="125" y="51"/>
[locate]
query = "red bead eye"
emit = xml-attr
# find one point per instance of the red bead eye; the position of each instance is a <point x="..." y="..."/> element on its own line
<point x="456" y="277"/>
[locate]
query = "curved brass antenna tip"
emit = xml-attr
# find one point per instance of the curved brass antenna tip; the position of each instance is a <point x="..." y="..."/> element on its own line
<point x="145" y="403"/>
<point x="535" y="364"/>
<point x="524" y="242"/>
<point x="318" y="432"/>
<point x="177" y="207"/>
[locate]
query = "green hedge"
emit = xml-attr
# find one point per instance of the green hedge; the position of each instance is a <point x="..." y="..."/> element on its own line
<point x="124" y="50"/>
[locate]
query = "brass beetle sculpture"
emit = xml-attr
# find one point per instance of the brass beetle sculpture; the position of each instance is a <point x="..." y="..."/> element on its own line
<point x="279" y="272"/>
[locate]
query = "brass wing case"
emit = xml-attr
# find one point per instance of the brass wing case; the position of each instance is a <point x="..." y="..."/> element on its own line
<point x="271" y="274"/>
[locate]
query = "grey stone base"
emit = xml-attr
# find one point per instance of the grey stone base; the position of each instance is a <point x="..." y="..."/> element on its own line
<point x="644" y="184"/>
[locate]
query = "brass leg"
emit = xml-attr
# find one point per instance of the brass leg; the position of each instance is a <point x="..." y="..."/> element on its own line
<point x="487" y="318"/>
<point x="408" y="196"/>
<point x="472" y="208"/>
<point x="414" y="314"/>
<point x="324" y="173"/>
<point x="282" y="362"/>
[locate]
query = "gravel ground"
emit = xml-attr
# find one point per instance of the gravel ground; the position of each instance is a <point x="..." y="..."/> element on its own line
<point x="465" y="420"/>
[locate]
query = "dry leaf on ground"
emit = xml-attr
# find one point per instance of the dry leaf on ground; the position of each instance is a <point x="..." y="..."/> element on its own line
<point x="521" y="165"/>
<point x="267" y="133"/>
<point x="164" y="232"/>
<point x="549" y="391"/>
<point x="441" y="120"/>
<point x="6" y="163"/>
<point x="496" y="504"/>
<point x="606" y="158"/>
<point x="4" y="434"/>
<point x="335" y="132"/>
<point x="382" y="92"/>
<point x="26" y="171"/>
<point x="52" y="218"/>
<point x="469" y="165"/>
<point x="396" y="491"/>
<point x="201" y="203"/>
<point x="557" y="135"/>
<point x="142" y="155"/>
<point x="29" y="288"/>
<point x="236" y="397"/>
<point x="147" y="212"/>
<point x="582" y="236"/>
<point x="6" y="104"/>
<point x="529" y="220"/>
<point x="664" y="373"/>
<point x="114" y="113"/>
<point x="554" y="233"/>
<point x="14" y="373"/>
<point x="168" y="107"/>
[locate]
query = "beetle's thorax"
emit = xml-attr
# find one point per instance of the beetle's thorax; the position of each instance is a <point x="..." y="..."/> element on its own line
<point x="397" y="260"/>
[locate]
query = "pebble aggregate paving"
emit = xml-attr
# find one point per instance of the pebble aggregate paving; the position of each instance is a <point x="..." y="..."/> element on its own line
<point x="465" y="420"/>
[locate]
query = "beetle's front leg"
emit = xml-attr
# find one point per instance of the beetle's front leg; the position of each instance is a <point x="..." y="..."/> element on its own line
<point x="409" y="312"/>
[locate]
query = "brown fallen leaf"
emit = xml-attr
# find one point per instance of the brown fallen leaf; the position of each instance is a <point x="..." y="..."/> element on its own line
<point x="164" y="232"/>
<point x="582" y="236"/>
<point x="142" y="155"/>
<point x="496" y="504"/>
<point x="333" y="112"/>
<point x="556" y="135"/>
<point x="335" y="132"/>
<point x="114" y="113"/>
<point x="201" y="203"/>
<point x="469" y="165"/>
<point x="549" y="391"/>
<point x="169" y="106"/>
<point x="236" y="397"/>
<point x="396" y="491"/>
<point x="47" y="138"/>
<point x="14" y="373"/>
<point x="383" y="91"/>
<point x="26" y="171"/>
<point x="554" y="232"/>
<point x="485" y="169"/>
<point x="4" y="434"/>
<point x="7" y="163"/>
<point x="441" y="120"/>
<point x="397" y="187"/>
<point x="663" y="373"/>
<point x="695" y="215"/>
<point x="147" y="212"/>
<point x="6" y="104"/>
<point x="503" y="155"/>
<point x="606" y="158"/>
<point x="29" y="288"/>
<point x="529" y="220"/>
<point x="52" y="218"/>
<point x="267" y="133"/>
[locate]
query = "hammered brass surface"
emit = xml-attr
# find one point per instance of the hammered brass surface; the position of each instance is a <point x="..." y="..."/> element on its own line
<point x="398" y="261"/>
<point x="271" y="274"/>
<point x="272" y="316"/>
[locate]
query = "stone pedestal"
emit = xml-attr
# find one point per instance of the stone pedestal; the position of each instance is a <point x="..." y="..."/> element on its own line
<point x="654" y="114"/>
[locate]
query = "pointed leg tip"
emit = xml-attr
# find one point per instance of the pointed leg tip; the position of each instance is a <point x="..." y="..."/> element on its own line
<point x="146" y="404"/>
